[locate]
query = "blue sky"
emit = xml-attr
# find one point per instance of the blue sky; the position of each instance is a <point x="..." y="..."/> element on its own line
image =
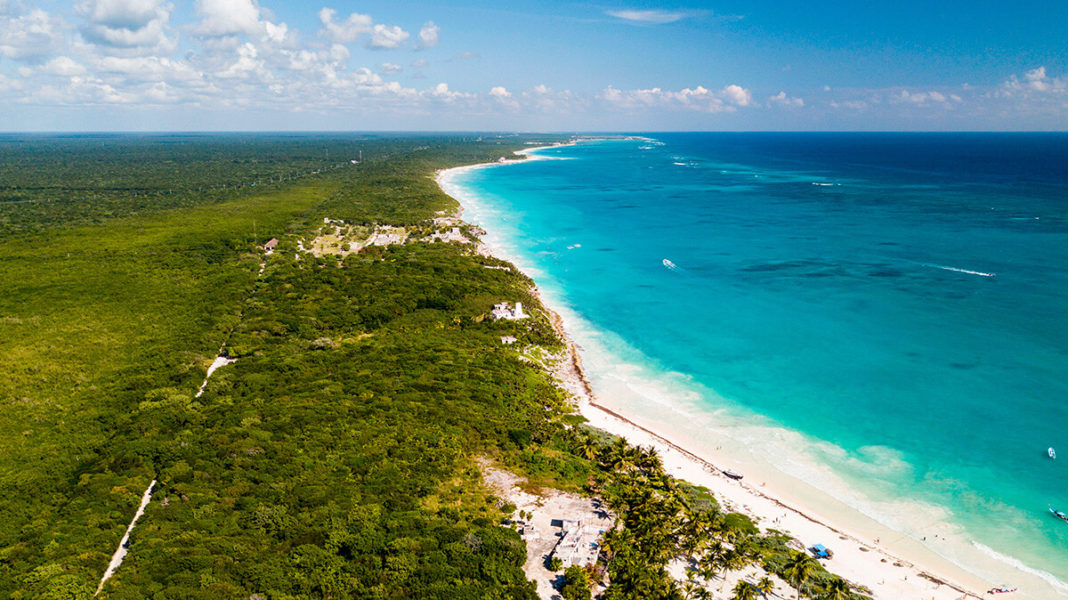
<point x="532" y="66"/>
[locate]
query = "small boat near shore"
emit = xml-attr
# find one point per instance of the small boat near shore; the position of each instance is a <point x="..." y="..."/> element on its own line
<point x="732" y="474"/>
<point x="1060" y="515"/>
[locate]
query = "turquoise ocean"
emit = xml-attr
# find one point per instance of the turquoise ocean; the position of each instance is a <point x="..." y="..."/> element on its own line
<point x="898" y="303"/>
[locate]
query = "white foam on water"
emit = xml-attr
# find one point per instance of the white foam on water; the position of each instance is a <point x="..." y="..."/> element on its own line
<point x="959" y="270"/>
<point x="620" y="372"/>
<point x="1049" y="578"/>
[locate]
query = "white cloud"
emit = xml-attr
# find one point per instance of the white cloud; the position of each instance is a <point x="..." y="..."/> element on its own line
<point x="1036" y="93"/>
<point x="542" y="98"/>
<point x="7" y="83"/>
<point x="1037" y="80"/>
<point x="657" y="17"/>
<point x="698" y="98"/>
<point x="346" y="31"/>
<point x="391" y="69"/>
<point x="63" y="66"/>
<point x="927" y="98"/>
<point x="387" y="36"/>
<point x="782" y="99"/>
<point x="428" y="35"/>
<point x="247" y="63"/>
<point x="227" y="17"/>
<point x="148" y="68"/>
<point x="737" y="95"/>
<point x="419" y="63"/>
<point x="442" y="92"/>
<point x="850" y="104"/>
<point x="30" y="37"/>
<point x="123" y="14"/>
<point x="129" y="24"/>
<point x="503" y="97"/>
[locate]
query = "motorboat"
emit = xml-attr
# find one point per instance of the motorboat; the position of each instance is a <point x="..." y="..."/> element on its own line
<point x="1060" y="515"/>
<point x="1052" y="453"/>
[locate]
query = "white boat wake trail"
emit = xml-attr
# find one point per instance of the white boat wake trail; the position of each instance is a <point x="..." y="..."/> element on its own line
<point x="958" y="270"/>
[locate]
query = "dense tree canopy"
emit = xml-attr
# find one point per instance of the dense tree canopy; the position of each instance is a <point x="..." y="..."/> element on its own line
<point x="334" y="458"/>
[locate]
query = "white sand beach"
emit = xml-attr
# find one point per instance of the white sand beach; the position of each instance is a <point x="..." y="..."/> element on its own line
<point x="866" y="552"/>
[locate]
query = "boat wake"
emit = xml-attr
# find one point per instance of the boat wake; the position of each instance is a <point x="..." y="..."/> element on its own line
<point x="958" y="270"/>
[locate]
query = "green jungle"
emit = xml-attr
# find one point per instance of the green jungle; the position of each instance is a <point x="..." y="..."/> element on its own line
<point x="336" y="458"/>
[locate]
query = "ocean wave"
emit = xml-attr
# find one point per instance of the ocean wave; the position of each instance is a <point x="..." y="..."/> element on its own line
<point x="1016" y="564"/>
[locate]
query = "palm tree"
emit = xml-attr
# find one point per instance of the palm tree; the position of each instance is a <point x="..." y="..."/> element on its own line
<point x="711" y="562"/>
<point x="744" y="591"/>
<point x="588" y="447"/>
<point x="838" y="590"/>
<point x="799" y="569"/>
<point x="634" y="455"/>
<point x="746" y="549"/>
<point x="695" y="591"/>
<point x="765" y="586"/>
<point x="619" y="455"/>
<point x="649" y="460"/>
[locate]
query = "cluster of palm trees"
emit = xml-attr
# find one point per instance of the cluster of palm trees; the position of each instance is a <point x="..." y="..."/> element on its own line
<point x="659" y="522"/>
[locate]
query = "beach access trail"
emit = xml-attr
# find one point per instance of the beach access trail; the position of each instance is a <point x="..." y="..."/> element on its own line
<point x="899" y="569"/>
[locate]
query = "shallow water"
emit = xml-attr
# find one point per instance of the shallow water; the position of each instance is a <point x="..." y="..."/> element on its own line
<point x="898" y="300"/>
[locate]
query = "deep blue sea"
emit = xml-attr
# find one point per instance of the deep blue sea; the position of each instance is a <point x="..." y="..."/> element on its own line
<point x="897" y="301"/>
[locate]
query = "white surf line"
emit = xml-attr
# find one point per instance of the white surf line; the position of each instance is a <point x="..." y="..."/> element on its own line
<point x="120" y="552"/>
<point x="969" y="272"/>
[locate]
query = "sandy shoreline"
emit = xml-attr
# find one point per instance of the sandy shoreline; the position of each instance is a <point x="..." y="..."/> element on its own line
<point x="868" y="553"/>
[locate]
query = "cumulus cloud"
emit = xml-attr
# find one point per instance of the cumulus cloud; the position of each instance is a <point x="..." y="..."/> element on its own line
<point x="654" y="17"/>
<point x="699" y="98"/>
<point x="387" y="36"/>
<point x="227" y="17"/>
<point x="927" y="98"/>
<point x="543" y="98"/>
<point x="148" y="68"/>
<point x="428" y="35"/>
<point x="781" y="99"/>
<point x="246" y="63"/>
<point x="442" y="92"/>
<point x="737" y="95"/>
<point x="503" y="97"/>
<point x="1035" y="83"/>
<point x="345" y="31"/>
<point x="63" y="66"/>
<point x="31" y="37"/>
<point x="129" y="24"/>
<point x="390" y="69"/>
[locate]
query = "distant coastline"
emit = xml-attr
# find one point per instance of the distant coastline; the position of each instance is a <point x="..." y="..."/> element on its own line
<point x="882" y="567"/>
